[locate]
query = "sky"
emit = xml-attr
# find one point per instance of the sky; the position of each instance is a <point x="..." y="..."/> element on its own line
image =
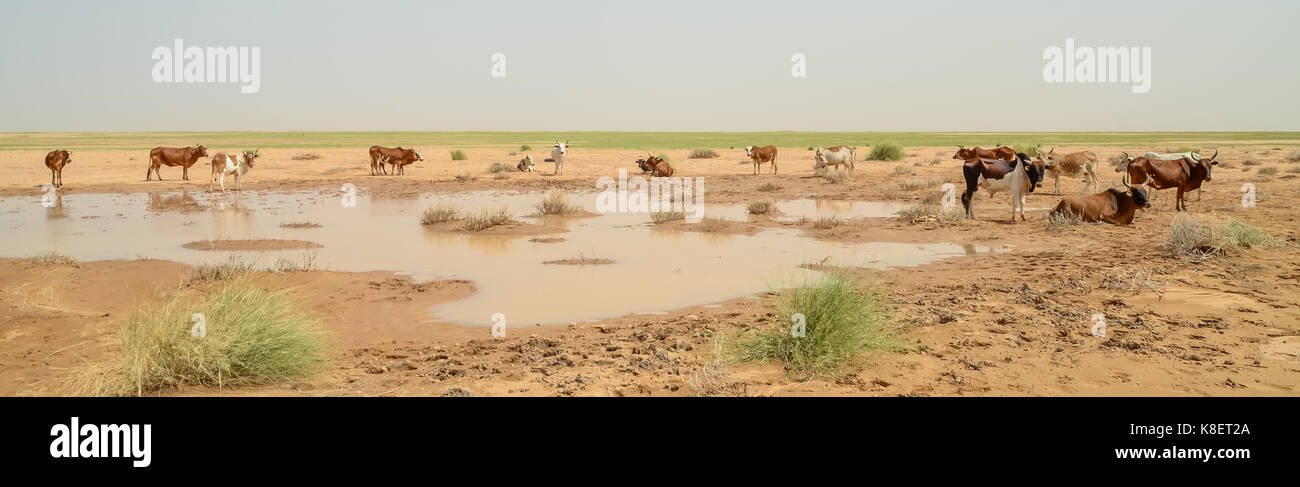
<point x="663" y="65"/>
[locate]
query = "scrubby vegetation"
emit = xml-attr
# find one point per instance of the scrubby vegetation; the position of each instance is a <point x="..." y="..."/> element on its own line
<point x="886" y="151"/>
<point x="1190" y="236"/>
<point x="458" y="155"/>
<point x="704" y="154"/>
<point x="556" y="203"/>
<point x="485" y="219"/>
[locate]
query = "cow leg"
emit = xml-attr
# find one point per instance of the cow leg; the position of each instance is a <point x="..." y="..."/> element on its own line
<point x="774" y="165"/>
<point x="185" y="173"/>
<point x="1178" y="201"/>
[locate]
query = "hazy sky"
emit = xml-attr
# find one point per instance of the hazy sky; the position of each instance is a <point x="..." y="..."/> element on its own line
<point x="649" y="65"/>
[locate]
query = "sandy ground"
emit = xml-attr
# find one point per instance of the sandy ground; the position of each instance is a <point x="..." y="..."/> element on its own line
<point x="1014" y="323"/>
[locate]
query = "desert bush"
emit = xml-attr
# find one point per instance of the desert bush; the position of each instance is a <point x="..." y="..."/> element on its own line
<point x="305" y="262"/>
<point x="667" y="216"/>
<point x="438" y="213"/>
<point x="1190" y="236"/>
<point x="230" y="268"/>
<point x="466" y="177"/>
<point x="525" y="148"/>
<point x="556" y="203"/>
<point x="53" y="258"/>
<point x="765" y="187"/>
<point x="840" y="322"/>
<point x="499" y="167"/>
<point x="458" y="155"/>
<point x="251" y="336"/>
<point x="886" y="151"/>
<point x="485" y="219"/>
<point x="1267" y="171"/>
<point x="704" y="154"/>
<point x="760" y="207"/>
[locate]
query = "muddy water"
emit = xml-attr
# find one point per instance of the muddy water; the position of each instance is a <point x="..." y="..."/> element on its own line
<point x="653" y="270"/>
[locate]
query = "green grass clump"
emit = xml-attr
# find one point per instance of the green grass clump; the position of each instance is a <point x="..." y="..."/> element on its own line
<point x="485" y="219"/>
<point x="556" y="203"/>
<point x="458" y="155"/>
<point x="252" y="336"/>
<point x="525" y="148"/>
<point x="840" y="321"/>
<point x="887" y="151"/>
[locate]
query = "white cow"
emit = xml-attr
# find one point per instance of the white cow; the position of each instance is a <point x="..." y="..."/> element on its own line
<point x="223" y="164"/>
<point x="834" y="156"/>
<point x="558" y="154"/>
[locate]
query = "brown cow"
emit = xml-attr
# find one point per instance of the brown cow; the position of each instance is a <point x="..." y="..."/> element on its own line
<point x="55" y="160"/>
<point x="1070" y="165"/>
<point x="760" y="155"/>
<point x="658" y="167"/>
<point x="967" y="153"/>
<point x="1019" y="177"/>
<point x="167" y="156"/>
<point x="1185" y="174"/>
<point x="1115" y="206"/>
<point x="398" y="157"/>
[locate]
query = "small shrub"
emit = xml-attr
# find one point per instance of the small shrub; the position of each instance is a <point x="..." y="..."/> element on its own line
<point x="231" y="268"/>
<point x="485" y="219"/>
<point x="307" y="157"/>
<point x="1294" y="157"/>
<point x="251" y="336"/>
<point x="499" y="167"/>
<point x="1267" y="171"/>
<point x="760" y="208"/>
<point x="667" y="216"/>
<point x="466" y="177"/>
<point x="827" y="222"/>
<point x="1250" y="162"/>
<point x="887" y="151"/>
<point x="901" y="170"/>
<point x="439" y="213"/>
<point x="525" y="148"/>
<point x="458" y="155"/>
<point x="1191" y="237"/>
<point x="53" y="258"/>
<point x="556" y="203"/>
<point x="833" y="176"/>
<point x="704" y="154"/>
<point x="913" y="184"/>
<point x="839" y="323"/>
<point x="765" y="187"/>
<point x="305" y="262"/>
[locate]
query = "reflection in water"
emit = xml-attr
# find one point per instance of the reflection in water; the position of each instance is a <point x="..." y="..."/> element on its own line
<point x="685" y="268"/>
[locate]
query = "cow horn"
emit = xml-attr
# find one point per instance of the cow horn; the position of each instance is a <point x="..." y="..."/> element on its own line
<point x="1216" y="154"/>
<point x="1126" y="156"/>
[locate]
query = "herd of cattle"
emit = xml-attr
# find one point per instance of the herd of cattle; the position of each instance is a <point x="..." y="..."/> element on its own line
<point x="996" y="170"/>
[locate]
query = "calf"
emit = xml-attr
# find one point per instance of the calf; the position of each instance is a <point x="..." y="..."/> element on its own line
<point x="397" y="156"/>
<point x="1019" y="177"/>
<point x="1070" y="165"/>
<point x="759" y="155"/>
<point x="834" y="156"/>
<point x="526" y="164"/>
<point x="1005" y="153"/>
<point x="167" y="156"/>
<point x="223" y="164"/>
<point x="1185" y="174"/>
<point x="558" y="154"/>
<point x="55" y="160"/>
<point x="1115" y="206"/>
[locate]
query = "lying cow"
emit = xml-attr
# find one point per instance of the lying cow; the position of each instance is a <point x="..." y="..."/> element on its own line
<point x="55" y="160"/>
<point x="1185" y="174"/>
<point x="658" y="167"/>
<point x="167" y="156"/>
<point x="1019" y="177"/>
<point x="558" y="154"/>
<point x="759" y="155"/>
<point x="397" y="156"/>
<point x="1071" y="165"/>
<point x="223" y="164"/>
<point x="526" y="164"/>
<point x="1005" y="153"/>
<point x="834" y="156"/>
<point x="1115" y="206"/>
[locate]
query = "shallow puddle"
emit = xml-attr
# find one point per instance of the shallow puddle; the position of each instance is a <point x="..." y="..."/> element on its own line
<point x="653" y="269"/>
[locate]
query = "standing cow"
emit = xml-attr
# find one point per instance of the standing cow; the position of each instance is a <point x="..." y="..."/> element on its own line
<point x="223" y="164"/>
<point x="1184" y="174"/>
<point x="1070" y="165"/>
<point x="759" y="155"/>
<point x="397" y="156"/>
<point x="55" y="160"/>
<point x="1019" y="177"/>
<point x="834" y="156"/>
<point x="167" y="156"/>
<point x="558" y="154"/>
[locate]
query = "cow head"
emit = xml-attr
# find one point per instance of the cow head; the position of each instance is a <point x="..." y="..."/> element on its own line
<point x="249" y="157"/>
<point x="1139" y="196"/>
<point x="749" y="151"/>
<point x="1208" y="164"/>
<point x="413" y="155"/>
<point x="964" y="153"/>
<point x="563" y="147"/>
<point x="819" y="158"/>
<point x="1124" y="161"/>
<point x="67" y="156"/>
<point x="1034" y="169"/>
<point x="201" y="150"/>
